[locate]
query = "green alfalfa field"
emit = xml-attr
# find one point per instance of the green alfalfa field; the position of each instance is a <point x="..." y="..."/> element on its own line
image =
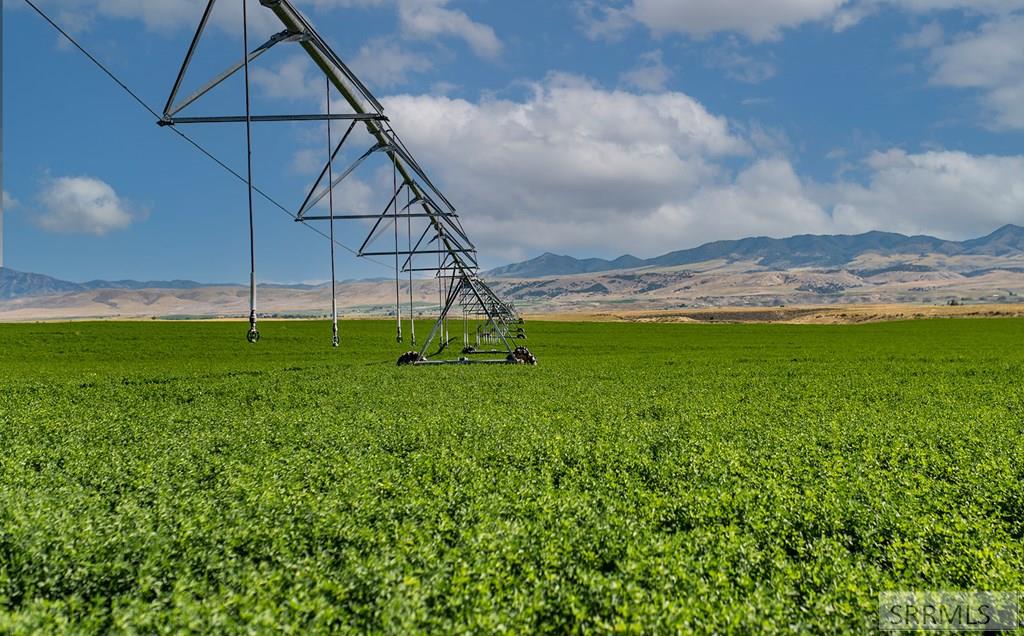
<point x="168" y="477"/>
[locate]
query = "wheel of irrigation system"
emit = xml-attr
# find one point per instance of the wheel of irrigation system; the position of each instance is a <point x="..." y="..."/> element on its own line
<point x="468" y="350"/>
<point x="253" y="336"/>
<point x="411" y="357"/>
<point x="522" y="355"/>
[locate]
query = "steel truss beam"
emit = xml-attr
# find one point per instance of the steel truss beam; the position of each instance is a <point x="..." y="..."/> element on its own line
<point x="442" y="236"/>
<point x="240" y="119"/>
<point x="352" y="217"/>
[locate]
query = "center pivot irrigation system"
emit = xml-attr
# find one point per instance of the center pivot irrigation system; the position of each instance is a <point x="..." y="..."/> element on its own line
<point x="435" y="241"/>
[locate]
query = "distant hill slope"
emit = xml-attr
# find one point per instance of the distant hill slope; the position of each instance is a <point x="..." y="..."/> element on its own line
<point x="796" y="251"/>
<point x="554" y="265"/>
<point x="15" y="284"/>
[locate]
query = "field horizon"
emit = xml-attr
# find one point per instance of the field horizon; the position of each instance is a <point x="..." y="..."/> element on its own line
<point x="874" y="268"/>
<point x="854" y="313"/>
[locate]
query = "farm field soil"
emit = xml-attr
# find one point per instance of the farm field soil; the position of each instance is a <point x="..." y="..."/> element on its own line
<point x="167" y="477"/>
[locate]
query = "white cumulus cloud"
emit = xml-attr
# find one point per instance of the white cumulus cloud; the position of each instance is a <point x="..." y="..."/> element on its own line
<point x="83" y="205"/>
<point x="420" y="19"/>
<point x="163" y="16"/>
<point x="947" y="193"/>
<point x="576" y="167"/>
<point x="385" y="62"/>
<point x="761" y="20"/>
<point x="990" y="60"/>
<point x="572" y="164"/>
<point x="651" y="74"/>
<point x="428" y="19"/>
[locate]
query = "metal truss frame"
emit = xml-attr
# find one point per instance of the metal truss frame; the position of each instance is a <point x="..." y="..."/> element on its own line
<point x="460" y="288"/>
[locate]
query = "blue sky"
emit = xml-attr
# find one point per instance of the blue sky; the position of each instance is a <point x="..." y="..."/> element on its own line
<point x="587" y="127"/>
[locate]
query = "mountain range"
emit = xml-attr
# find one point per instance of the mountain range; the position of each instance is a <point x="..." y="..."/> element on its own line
<point x="15" y="284"/>
<point x="800" y="271"/>
<point x="819" y="251"/>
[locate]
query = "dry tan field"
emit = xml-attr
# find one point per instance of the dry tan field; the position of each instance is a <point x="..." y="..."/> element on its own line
<point x="835" y="314"/>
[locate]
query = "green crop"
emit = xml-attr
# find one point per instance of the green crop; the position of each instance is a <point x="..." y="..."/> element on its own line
<point x="167" y="477"/>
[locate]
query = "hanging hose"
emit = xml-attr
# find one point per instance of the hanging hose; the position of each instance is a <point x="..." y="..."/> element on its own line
<point x="335" y="341"/>
<point x="408" y="227"/>
<point x="254" y="335"/>
<point x="440" y="292"/>
<point x="447" y="290"/>
<point x="398" y="271"/>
